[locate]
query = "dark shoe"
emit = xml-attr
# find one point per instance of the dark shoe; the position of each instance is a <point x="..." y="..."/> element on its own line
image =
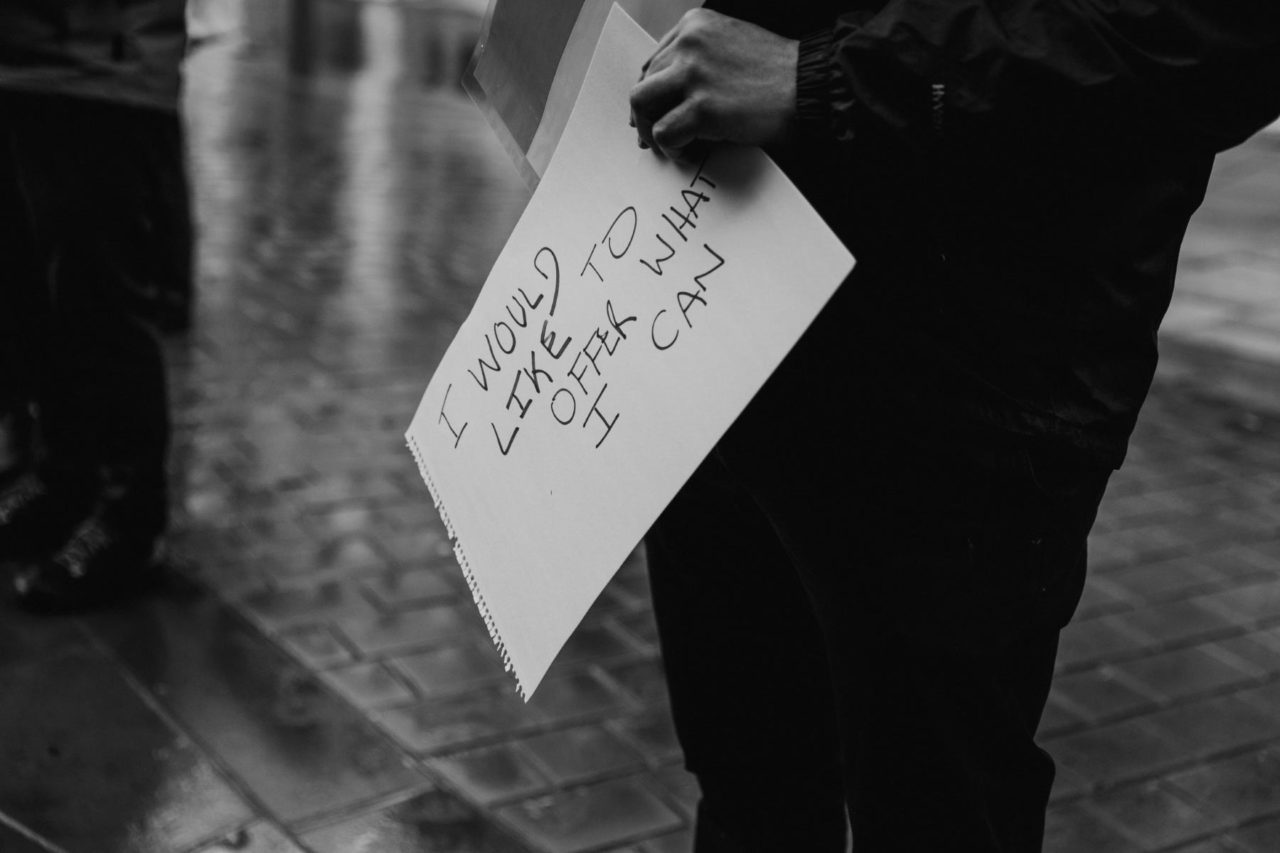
<point x="38" y="513"/>
<point x="102" y="561"/>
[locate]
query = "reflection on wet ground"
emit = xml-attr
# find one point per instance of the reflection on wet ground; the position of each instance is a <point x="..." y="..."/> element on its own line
<point x="314" y="676"/>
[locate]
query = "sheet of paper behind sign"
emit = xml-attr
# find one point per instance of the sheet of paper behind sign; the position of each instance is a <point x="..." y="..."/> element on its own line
<point x="540" y="531"/>
<point x="530" y="63"/>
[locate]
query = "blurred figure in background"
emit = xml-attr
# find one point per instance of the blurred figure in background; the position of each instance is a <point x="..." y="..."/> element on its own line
<point x="89" y="128"/>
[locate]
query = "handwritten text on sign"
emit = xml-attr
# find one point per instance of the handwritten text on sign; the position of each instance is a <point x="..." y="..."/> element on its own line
<point x="635" y="310"/>
<point x="570" y="380"/>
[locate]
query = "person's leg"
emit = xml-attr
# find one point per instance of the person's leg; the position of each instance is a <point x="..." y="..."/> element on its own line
<point x="39" y="506"/>
<point x="14" y="255"/>
<point x="748" y="677"/>
<point x="943" y="576"/>
<point x="100" y="384"/>
<point x="103" y="391"/>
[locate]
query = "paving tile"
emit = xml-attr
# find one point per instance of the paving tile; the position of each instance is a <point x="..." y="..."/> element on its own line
<point x="676" y="842"/>
<point x="368" y="685"/>
<point x="90" y="766"/>
<point x="342" y="488"/>
<point x="350" y="519"/>
<point x="611" y="603"/>
<point x="589" y="817"/>
<point x="1254" y="602"/>
<point x="453" y="669"/>
<point x="450" y="722"/>
<point x="433" y="820"/>
<point x="291" y="605"/>
<point x="578" y="696"/>
<point x="1091" y="641"/>
<point x="399" y="632"/>
<point x="1261" y="837"/>
<point x="680" y="786"/>
<point x="1068" y="785"/>
<point x="593" y="643"/>
<point x="1182" y="673"/>
<point x="1213" y="725"/>
<point x="258" y="837"/>
<point x="491" y="774"/>
<point x="653" y="733"/>
<point x="1153" y="818"/>
<point x="418" y="544"/>
<point x="1100" y="598"/>
<point x="1165" y="581"/>
<point x="411" y="589"/>
<point x="578" y="754"/>
<point x="1101" y="693"/>
<point x="1057" y="715"/>
<point x="1130" y="545"/>
<point x="1242" y="788"/>
<point x="299" y="749"/>
<point x="632" y="581"/>
<point x="1241" y="339"/>
<point x="1113" y="753"/>
<point x="640" y="626"/>
<point x="1179" y="623"/>
<point x="1213" y="845"/>
<point x="643" y="680"/>
<point x="316" y="646"/>
<point x="1072" y="829"/>
<point x="349" y="553"/>
<point x="1265" y="697"/>
<point x="1257" y="652"/>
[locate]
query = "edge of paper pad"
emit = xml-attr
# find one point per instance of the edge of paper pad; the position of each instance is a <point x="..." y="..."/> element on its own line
<point x="460" y="554"/>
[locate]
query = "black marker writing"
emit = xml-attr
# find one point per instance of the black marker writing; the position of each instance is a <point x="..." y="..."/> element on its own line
<point x="457" y="433"/>
<point x="595" y="410"/>
<point x="510" y="441"/>
<point x="483" y="379"/>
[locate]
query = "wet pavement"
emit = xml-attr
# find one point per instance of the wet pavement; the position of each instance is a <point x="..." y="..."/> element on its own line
<point x="314" y="677"/>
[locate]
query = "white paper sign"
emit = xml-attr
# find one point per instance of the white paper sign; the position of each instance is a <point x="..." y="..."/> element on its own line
<point x="636" y="309"/>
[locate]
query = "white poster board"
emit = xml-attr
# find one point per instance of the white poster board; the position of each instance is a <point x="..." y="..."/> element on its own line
<point x="634" y="312"/>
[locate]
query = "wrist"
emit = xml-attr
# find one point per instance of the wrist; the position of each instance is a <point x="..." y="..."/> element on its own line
<point x="819" y="84"/>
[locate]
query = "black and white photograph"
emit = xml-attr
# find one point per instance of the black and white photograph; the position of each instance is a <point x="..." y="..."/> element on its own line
<point x="639" y="426"/>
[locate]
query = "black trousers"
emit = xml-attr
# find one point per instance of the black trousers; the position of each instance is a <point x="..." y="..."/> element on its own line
<point x="83" y="253"/>
<point x="862" y="618"/>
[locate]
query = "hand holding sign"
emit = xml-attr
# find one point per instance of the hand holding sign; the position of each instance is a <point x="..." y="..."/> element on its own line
<point x="716" y="79"/>
<point x="634" y="312"/>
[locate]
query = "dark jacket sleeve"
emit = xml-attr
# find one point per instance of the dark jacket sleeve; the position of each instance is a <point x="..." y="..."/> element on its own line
<point x="979" y="74"/>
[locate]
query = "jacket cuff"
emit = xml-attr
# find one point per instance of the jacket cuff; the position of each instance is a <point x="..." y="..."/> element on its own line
<point x="819" y="85"/>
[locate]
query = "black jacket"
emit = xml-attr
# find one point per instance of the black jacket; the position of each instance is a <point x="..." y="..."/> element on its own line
<point x="1015" y="178"/>
<point x="123" y="51"/>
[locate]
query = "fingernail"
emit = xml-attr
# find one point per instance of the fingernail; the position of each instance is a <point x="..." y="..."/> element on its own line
<point x="644" y="145"/>
<point x="631" y="122"/>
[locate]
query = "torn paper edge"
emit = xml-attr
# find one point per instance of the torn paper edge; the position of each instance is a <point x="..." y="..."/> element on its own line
<point x="460" y="554"/>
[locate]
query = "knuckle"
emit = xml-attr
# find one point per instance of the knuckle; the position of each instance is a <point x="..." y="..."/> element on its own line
<point x="693" y="35"/>
<point x="687" y="74"/>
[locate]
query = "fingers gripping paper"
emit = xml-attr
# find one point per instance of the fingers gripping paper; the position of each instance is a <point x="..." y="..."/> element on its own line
<point x="636" y="309"/>
<point x="530" y="62"/>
